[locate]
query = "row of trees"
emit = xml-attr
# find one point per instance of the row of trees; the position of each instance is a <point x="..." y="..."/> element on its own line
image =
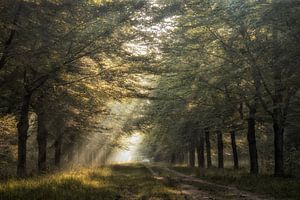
<point x="217" y="67"/>
<point x="227" y="66"/>
<point x="60" y="63"/>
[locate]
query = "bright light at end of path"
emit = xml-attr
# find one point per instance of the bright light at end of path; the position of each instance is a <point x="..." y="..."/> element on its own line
<point x="129" y="154"/>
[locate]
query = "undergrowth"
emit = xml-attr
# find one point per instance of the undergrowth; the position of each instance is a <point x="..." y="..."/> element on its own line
<point x="278" y="188"/>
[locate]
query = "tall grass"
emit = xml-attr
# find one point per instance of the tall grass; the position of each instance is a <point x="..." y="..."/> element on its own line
<point x="106" y="183"/>
<point x="278" y="188"/>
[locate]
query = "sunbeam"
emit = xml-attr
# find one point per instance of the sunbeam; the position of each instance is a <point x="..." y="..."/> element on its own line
<point x="129" y="153"/>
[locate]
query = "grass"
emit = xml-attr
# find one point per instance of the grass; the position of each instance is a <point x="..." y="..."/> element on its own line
<point x="278" y="188"/>
<point x="134" y="182"/>
<point x="126" y="182"/>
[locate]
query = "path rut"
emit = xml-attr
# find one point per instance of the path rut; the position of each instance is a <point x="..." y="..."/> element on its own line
<point x="197" y="189"/>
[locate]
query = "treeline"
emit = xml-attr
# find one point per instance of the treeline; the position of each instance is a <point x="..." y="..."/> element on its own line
<point x="61" y="62"/>
<point x="228" y="67"/>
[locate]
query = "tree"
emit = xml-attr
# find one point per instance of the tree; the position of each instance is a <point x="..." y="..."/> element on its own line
<point x="54" y="38"/>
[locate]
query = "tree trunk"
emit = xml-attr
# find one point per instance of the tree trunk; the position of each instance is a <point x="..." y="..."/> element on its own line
<point x="234" y="150"/>
<point x="208" y="148"/>
<point x="278" y="123"/>
<point x="71" y="149"/>
<point x="180" y="157"/>
<point x="192" y="154"/>
<point x="252" y="141"/>
<point x="186" y="158"/>
<point x="70" y="154"/>
<point x="23" y="126"/>
<point x="42" y="142"/>
<point x="173" y="158"/>
<point x="91" y="158"/>
<point x="57" y="153"/>
<point x="220" y="150"/>
<point x="200" y="152"/>
<point x="278" y="143"/>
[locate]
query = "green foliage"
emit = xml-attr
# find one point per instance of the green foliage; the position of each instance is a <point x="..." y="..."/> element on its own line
<point x="219" y="60"/>
<point x="199" y="66"/>
<point x="71" y="58"/>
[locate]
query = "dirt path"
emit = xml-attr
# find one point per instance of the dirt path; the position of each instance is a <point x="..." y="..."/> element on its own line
<point x="197" y="189"/>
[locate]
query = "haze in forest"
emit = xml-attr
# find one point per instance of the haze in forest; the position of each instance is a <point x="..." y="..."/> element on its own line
<point x="158" y="99"/>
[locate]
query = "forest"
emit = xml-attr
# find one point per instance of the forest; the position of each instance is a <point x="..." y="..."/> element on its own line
<point x="149" y="99"/>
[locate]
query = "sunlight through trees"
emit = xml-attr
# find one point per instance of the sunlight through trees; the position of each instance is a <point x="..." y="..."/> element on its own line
<point x="204" y="84"/>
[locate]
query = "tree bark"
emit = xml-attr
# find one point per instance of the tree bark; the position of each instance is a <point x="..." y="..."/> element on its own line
<point x="278" y="143"/>
<point x="208" y="148"/>
<point x="57" y="152"/>
<point x="42" y="142"/>
<point x="70" y="154"/>
<point x="234" y="150"/>
<point x="200" y="152"/>
<point x="252" y="141"/>
<point x="278" y="123"/>
<point x="180" y="157"/>
<point x="71" y="149"/>
<point x="173" y="158"/>
<point x="220" y="150"/>
<point x="186" y="158"/>
<point x="22" y="127"/>
<point x="192" y="154"/>
<point x="91" y="157"/>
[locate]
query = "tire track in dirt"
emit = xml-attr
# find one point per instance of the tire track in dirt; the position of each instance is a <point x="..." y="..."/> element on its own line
<point x="197" y="189"/>
<point x="188" y="191"/>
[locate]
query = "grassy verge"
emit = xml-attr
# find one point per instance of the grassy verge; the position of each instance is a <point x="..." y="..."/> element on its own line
<point x="278" y="188"/>
<point x="127" y="182"/>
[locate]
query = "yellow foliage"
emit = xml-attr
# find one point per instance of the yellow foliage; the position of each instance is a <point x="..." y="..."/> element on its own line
<point x="7" y="125"/>
<point x="99" y="2"/>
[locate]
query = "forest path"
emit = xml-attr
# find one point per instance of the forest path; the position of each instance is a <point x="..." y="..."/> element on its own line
<point x="136" y="181"/>
<point x="197" y="189"/>
<point x="111" y="182"/>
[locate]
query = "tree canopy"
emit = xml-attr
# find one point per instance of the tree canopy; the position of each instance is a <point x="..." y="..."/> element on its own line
<point x="212" y="77"/>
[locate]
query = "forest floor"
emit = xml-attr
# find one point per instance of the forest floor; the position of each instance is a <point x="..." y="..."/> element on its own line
<point x="241" y="182"/>
<point x="196" y="188"/>
<point x="115" y="182"/>
<point x="122" y="182"/>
